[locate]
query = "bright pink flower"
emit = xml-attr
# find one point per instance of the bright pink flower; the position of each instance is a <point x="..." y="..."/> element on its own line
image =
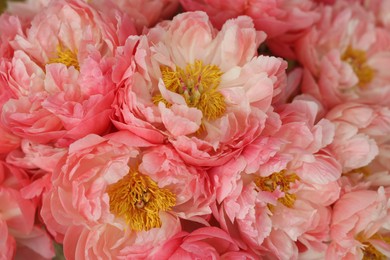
<point x="58" y="79"/>
<point x="204" y="91"/>
<point x="104" y="187"/>
<point x="20" y="237"/>
<point x="282" y="20"/>
<point x="341" y="66"/>
<point x="360" y="226"/>
<point x="276" y="198"/>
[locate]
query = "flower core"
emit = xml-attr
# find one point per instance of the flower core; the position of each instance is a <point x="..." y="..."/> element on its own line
<point x="279" y="180"/>
<point x="358" y="60"/>
<point x="370" y="252"/>
<point x="138" y="199"/>
<point x="67" y="57"/>
<point x="198" y="84"/>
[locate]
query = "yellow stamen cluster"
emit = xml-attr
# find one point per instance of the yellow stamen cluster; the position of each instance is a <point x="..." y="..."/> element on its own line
<point x="280" y="180"/>
<point x="369" y="251"/>
<point x="67" y="57"/>
<point x="3" y="6"/>
<point x="139" y="200"/>
<point x="198" y="84"/>
<point x="358" y="60"/>
<point x="365" y="171"/>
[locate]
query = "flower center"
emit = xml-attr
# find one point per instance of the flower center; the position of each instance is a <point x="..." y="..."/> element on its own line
<point x="138" y="199"/>
<point x="198" y="84"/>
<point x="279" y="180"/>
<point x="365" y="171"/>
<point x="358" y="60"/>
<point x="370" y="252"/>
<point x="67" y="57"/>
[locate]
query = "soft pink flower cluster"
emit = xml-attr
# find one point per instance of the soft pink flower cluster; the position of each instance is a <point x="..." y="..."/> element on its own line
<point x="195" y="129"/>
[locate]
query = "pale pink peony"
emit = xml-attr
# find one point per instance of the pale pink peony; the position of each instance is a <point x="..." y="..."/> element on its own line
<point x="105" y="187"/>
<point x="276" y="198"/>
<point x="345" y="56"/>
<point x="360" y="226"/>
<point x="284" y="21"/>
<point x="362" y="135"/>
<point x="20" y="236"/>
<point x="58" y="80"/>
<point x="202" y="90"/>
<point x="362" y="145"/>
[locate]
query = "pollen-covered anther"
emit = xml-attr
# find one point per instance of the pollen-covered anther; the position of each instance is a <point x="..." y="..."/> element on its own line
<point x="279" y="180"/>
<point x="66" y="57"/>
<point x="139" y="200"/>
<point x="358" y="61"/>
<point x="369" y="251"/>
<point x="198" y="84"/>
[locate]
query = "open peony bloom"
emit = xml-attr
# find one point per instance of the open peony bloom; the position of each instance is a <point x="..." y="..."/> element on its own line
<point x="206" y="92"/>
<point x="360" y="226"/>
<point x="361" y="132"/>
<point x="275" y="199"/>
<point x="20" y="236"/>
<point x="352" y="147"/>
<point x="109" y="198"/>
<point x="345" y="57"/>
<point x="362" y="143"/>
<point x="58" y="75"/>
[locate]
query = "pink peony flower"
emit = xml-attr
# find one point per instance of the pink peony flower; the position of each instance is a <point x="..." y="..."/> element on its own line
<point x="20" y="236"/>
<point x="284" y="21"/>
<point x="106" y="188"/>
<point x="58" y="80"/>
<point x="276" y="198"/>
<point x="202" y="90"/>
<point x="360" y="226"/>
<point x="361" y="144"/>
<point x="361" y="132"/>
<point x="340" y="66"/>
